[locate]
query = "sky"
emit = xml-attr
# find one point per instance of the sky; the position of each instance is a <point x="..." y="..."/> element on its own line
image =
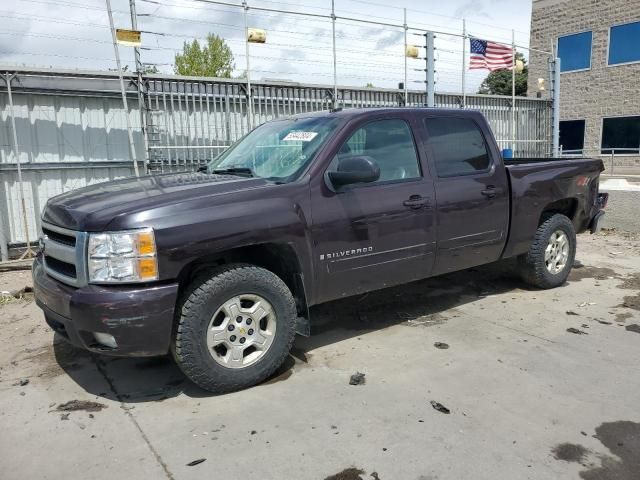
<point x="74" y="34"/>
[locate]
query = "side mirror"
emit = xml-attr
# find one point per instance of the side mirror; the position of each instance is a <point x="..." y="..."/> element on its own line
<point x="354" y="169"/>
<point x="203" y="169"/>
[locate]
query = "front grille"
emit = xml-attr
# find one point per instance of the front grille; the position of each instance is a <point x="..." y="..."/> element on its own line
<point x="69" y="240"/>
<point x="64" y="254"/>
<point x="63" y="268"/>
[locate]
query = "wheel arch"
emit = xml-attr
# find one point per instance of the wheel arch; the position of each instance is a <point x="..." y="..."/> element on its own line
<point x="279" y="258"/>
<point x="566" y="206"/>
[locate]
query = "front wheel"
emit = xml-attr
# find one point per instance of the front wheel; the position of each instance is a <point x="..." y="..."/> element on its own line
<point x="550" y="258"/>
<point x="236" y="327"/>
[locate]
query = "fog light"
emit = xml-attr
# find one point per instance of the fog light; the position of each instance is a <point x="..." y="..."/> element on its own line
<point x="105" y="339"/>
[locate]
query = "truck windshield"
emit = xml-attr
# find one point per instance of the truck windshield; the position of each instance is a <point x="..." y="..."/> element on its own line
<point x="277" y="150"/>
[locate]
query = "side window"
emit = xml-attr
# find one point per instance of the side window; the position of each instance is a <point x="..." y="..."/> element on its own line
<point x="389" y="143"/>
<point x="458" y="146"/>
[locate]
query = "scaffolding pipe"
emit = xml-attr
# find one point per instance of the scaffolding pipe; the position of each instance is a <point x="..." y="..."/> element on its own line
<point x="16" y="148"/>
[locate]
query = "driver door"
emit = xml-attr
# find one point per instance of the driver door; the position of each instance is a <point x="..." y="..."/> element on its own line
<point x="374" y="235"/>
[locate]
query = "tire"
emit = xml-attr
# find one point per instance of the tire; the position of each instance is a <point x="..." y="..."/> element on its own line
<point x="534" y="266"/>
<point x="209" y="305"/>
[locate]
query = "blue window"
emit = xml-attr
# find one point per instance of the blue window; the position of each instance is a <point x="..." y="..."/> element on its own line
<point x="575" y="52"/>
<point x="624" y="43"/>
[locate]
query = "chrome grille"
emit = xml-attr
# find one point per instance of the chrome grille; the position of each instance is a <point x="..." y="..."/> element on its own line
<point x="64" y="253"/>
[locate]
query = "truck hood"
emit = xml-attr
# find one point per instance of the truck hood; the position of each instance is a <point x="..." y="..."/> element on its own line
<point x="92" y="208"/>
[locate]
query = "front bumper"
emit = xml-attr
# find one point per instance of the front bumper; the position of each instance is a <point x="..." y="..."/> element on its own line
<point x="140" y="318"/>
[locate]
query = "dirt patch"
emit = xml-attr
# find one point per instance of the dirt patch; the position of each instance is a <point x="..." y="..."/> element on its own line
<point x="623" y="440"/>
<point x="597" y="273"/>
<point x="347" y="474"/>
<point x="631" y="282"/>
<point x="633" y="328"/>
<point x="622" y="317"/>
<point x="570" y="452"/>
<point x="631" y="301"/>
<point x="76" y="405"/>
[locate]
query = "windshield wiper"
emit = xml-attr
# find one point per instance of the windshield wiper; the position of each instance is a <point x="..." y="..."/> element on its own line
<point x="240" y="171"/>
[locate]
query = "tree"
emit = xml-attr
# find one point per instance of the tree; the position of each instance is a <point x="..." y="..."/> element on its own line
<point x="369" y="85"/>
<point x="213" y="60"/>
<point x="499" y="81"/>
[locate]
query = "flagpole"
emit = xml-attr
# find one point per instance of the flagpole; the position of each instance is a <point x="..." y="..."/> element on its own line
<point x="464" y="66"/>
<point x="513" y="92"/>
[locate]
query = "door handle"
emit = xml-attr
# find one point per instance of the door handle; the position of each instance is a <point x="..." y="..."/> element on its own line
<point x="491" y="191"/>
<point x="416" y="202"/>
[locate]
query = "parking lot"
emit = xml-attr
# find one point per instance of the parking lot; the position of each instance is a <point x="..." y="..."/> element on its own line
<point x="534" y="384"/>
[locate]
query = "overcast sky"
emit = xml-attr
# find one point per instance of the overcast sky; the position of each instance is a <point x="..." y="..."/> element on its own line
<point x="75" y="34"/>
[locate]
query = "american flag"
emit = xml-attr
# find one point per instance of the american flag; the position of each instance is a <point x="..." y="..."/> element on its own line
<point x="492" y="56"/>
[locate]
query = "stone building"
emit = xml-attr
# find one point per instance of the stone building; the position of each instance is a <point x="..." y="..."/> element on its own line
<point x="598" y="42"/>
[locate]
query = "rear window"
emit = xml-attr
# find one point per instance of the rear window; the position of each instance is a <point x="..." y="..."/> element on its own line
<point x="457" y="146"/>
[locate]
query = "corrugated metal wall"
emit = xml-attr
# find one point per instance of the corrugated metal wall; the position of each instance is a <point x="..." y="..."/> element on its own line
<point x="72" y="132"/>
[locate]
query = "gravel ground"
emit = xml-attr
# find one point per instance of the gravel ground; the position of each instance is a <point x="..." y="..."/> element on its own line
<point x="534" y="384"/>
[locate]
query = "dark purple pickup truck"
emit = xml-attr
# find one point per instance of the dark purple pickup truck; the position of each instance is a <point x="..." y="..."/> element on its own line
<point x="220" y="267"/>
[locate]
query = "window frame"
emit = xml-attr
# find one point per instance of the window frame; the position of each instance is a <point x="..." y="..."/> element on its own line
<point x="590" y="51"/>
<point x="347" y="137"/>
<point x="633" y="62"/>
<point x="634" y="154"/>
<point x="584" y="133"/>
<point x="432" y="157"/>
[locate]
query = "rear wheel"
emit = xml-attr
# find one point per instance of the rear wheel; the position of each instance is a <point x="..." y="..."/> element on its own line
<point x="550" y="258"/>
<point x="236" y="327"/>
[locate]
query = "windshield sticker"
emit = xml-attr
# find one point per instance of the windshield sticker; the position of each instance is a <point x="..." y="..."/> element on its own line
<point x="299" y="136"/>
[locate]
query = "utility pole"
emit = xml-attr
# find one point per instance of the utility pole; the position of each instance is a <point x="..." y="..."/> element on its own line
<point x="132" y="148"/>
<point x="141" y="88"/>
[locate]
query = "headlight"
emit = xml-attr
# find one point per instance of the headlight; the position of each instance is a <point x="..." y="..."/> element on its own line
<point x="122" y="257"/>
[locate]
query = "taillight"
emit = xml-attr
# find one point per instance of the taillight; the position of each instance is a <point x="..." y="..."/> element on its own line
<point x="582" y="181"/>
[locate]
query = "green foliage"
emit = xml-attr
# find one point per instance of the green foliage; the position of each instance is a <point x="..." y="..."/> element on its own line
<point x="499" y="82"/>
<point x="370" y="85"/>
<point x="215" y="59"/>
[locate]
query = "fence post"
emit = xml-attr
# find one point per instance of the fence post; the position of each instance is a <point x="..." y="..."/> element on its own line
<point x="554" y="64"/>
<point x="612" y="154"/>
<point x="513" y="92"/>
<point x="28" y="253"/>
<point x="246" y="42"/>
<point x="430" y="70"/>
<point x="335" y="68"/>
<point x="405" y="27"/>
<point x="141" y="102"/>
<point x="132" y="148"/>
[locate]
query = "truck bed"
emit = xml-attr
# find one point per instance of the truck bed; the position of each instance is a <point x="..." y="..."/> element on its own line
<point x="535" y="182"/>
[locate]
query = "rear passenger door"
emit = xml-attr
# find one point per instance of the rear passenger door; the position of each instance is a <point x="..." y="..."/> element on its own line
<point x="471" y="192"/>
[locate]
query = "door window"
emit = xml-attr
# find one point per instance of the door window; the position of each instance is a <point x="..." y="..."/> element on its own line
<point x="389" y="143"/>
<point x="457" y="145"/>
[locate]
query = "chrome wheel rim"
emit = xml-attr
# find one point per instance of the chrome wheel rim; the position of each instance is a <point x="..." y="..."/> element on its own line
<point x="557" y="252"/>
<point x="241" y="331"/>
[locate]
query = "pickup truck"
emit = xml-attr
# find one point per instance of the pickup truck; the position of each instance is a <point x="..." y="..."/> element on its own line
<point x="220" y="267"/>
